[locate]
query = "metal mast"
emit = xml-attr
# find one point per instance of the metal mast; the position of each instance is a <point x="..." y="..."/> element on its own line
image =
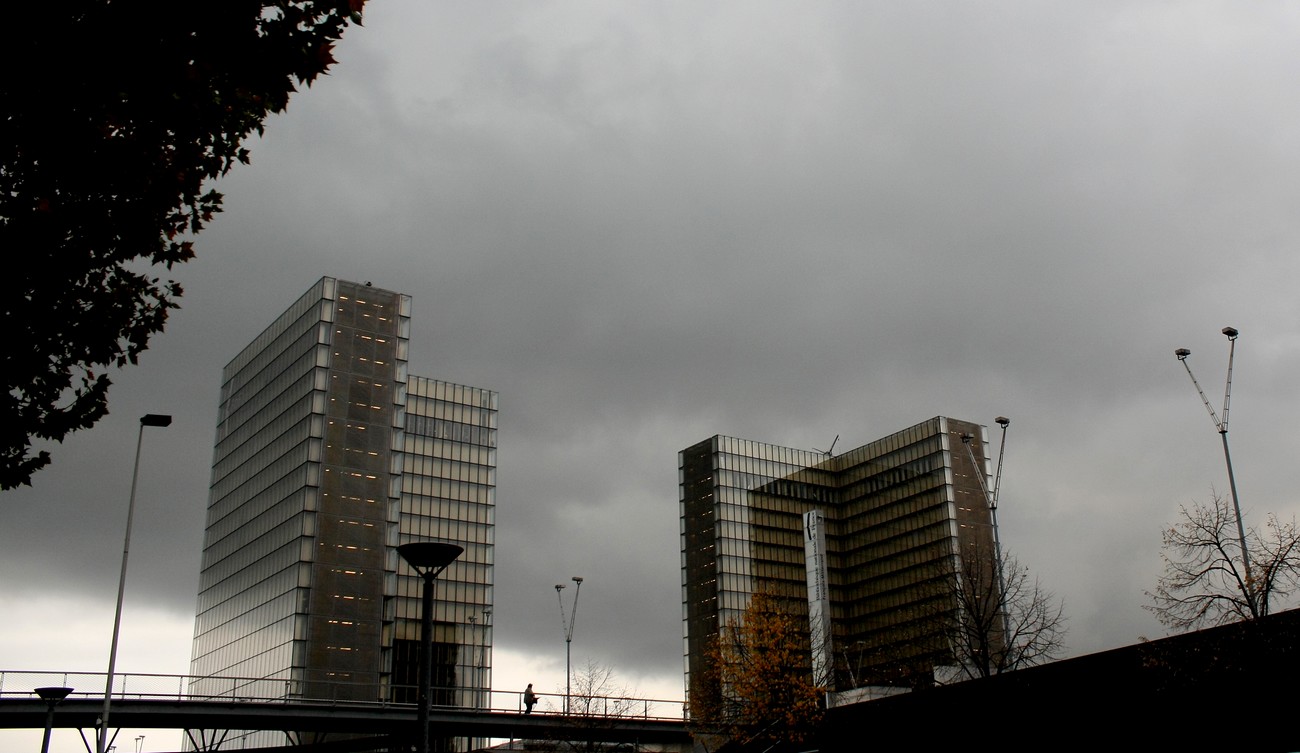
<point x="1222" y="426"/>
<point x="567" y="627"/>
<point x="991" y="497"/>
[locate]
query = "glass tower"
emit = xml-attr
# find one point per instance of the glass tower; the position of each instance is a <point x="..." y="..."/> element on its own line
<point x="328" y="456"/>
<point x="899" y="514"/>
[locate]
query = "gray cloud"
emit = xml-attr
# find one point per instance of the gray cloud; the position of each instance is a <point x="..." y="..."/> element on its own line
<point x="646" y="224"/>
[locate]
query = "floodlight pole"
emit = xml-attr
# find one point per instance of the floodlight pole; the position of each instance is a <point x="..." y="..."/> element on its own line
<point x="1222" y="426"/>
<point x="992" y="499"/>
<point x="484" y="679"/>
<point x="568" y="636"/>
<point x="149" y="419"/>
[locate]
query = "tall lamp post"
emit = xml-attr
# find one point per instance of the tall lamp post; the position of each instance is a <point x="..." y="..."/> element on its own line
<point x="567" y="626"/>
<point x="473" y="661"/>
<point x="160" y="421"/>
<point x="991" y="497"/>
<point x="1222" y="425"/>
<point x="485" y="696"/>
<point x="428" y="559"/>
<point x="51" y="696"/>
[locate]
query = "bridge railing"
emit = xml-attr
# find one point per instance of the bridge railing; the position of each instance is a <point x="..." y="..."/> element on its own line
<point x="23" y="684"/>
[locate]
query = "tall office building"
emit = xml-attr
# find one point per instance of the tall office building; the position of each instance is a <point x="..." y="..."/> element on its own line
<point x="328" y="456"/>
<point x="877" y="531"/>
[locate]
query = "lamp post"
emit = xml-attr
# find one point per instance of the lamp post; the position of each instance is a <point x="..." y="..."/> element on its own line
<point x="991" y="497"/>
<point x="149" y="419"/>
<point x="568" y="636"/>
<point x="485" y="680"/>
<point x="428" y="559"/>
<point x="1222" y="425"/>
<point x="473" y="662"/>
<point x="51" y="696"/>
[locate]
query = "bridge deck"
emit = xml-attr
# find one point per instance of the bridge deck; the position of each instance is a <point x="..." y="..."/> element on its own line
<point x="353" y="719"/>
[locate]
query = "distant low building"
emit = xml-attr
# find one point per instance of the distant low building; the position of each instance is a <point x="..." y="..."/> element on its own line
<point x="864" y="543"/>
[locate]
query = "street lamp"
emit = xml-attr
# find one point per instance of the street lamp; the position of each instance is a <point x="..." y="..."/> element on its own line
<point x="485" y="678"/>
<point x="1222" y="425"/>
<point x="473" y="661"/>
<point x="149" y="419"/>
<point x="568" y="636"/>
<point x="428" y="558"/>
<point x="991" y="497"/>
<point x="51" y="696"/>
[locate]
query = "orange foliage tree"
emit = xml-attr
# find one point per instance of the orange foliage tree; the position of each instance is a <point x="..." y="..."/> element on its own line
<point x="760" y="689"/>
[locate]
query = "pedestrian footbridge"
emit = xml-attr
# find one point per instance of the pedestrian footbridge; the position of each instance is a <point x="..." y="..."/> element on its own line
<point x="324" y="723"/>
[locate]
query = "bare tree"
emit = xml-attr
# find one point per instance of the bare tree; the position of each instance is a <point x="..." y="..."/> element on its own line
<point x="1205" y="582"/>
<point x="597" y="693"/>
<point x="1004" y="619"/>
<point x="596" y="701"/>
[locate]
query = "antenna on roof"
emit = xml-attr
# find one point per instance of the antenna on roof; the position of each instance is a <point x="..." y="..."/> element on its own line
<point x="827" y="453"/>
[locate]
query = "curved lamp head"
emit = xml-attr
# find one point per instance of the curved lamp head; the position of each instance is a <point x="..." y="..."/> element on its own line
<point x="429" y="556"/>
<point x="1182" y="353"/>
<point x="53" y="695"/>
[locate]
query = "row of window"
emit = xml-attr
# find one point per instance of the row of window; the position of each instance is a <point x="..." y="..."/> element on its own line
<point x="452" y="393"/>
<point x="259" y="628"/>
<point x="447" y="529"/>
<point x="785" y="455"/>
<point x="927" y="470"/>
<point x="241" y="435"/>
<point x="305" y="313"/>
<point x="451" y="430"/>
<point x="893" y="504"/>
<point x="428" y="486"/>
<point x="450" y="448"/>
<point x="275" y="660"/>
<point x="280" y="565"/>
<point x="443" y="507"/>
<point x="246" y="517"/>
<point x="872" y="460"/>
<point x="224" y="558"/>
<point x="451" y="470"/>
<point x="453" y="602"/>
<point x="282" y="571"/>
<point x="903" y="540"/>
<point x="275" y="374"/>
<point x="250" y="470"/>
<point x="771" y="469"/>
<point x="448" y="411"/>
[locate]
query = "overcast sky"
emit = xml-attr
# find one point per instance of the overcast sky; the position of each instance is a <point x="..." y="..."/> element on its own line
<point x="647" y="223"/>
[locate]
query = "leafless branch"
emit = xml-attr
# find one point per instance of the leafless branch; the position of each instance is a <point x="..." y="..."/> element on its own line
<point x="1204" y="581"/>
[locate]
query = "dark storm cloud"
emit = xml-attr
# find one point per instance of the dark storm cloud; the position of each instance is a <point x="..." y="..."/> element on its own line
<point x="644" y="224"/>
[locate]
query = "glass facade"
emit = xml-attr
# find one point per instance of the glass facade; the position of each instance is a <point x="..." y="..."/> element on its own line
<point x="448" y="493"/>
<point x="328" y="455"/>
<point x="899" y="512"/>
<point x="728" y="542"/>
